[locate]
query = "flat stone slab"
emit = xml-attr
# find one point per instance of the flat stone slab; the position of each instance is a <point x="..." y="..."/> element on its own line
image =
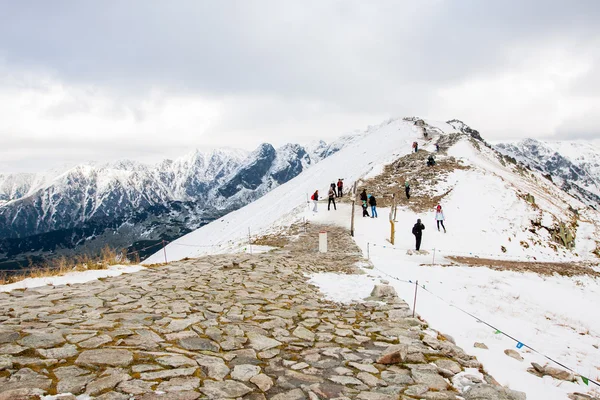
<point x="105" y="357"/>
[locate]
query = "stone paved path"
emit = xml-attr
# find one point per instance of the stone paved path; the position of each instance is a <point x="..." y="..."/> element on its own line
<point x="220" y="327"/>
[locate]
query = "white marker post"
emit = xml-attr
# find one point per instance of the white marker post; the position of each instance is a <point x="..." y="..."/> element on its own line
<point x="323" y="242"/>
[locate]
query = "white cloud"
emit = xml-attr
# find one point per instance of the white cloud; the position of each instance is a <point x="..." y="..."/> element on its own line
<point x="146" y="80"/>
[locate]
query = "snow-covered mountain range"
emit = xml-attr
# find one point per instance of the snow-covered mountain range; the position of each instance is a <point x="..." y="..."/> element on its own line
<point x="574" y="166"/>
<point x="89" y="206"/>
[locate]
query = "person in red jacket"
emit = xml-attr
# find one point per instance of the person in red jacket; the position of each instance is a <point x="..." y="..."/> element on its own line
<point x="340" y="187"/>
<point x="315" y="198"/>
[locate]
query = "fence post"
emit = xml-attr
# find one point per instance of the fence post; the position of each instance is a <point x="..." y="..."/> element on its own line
<point x="249" y="241"/>
<point x="368" y="255"/>
<point x="415" y="302"/>
<point x="165" y="251"/>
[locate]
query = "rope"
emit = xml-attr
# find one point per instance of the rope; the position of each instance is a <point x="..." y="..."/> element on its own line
<point x="519" y="343"/>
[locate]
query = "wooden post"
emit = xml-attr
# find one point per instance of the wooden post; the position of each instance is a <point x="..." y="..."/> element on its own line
<point x="164" y="251"/>
<point x="415" y="302"/>
<point x="249" y="240"/>
<point x="352" y="216"/>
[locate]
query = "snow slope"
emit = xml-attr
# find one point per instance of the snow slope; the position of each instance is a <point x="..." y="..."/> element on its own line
<point x="383" y="143"/>
<point x="555" y="315"/>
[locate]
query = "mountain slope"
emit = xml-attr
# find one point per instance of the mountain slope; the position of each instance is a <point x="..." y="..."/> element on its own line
<point x="573" y="166"/>
<point x="120" y="203"/>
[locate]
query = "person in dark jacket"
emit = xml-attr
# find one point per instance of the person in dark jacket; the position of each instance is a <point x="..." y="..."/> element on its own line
<point x="363" y="200"/>
<point x="340" y="187"/>
<point x="331" y="197"/>
<point x="430" y="161"/>
<point x="407" y="189"/>
<point x="417" y="230"/>
<point x="373" y="204"/>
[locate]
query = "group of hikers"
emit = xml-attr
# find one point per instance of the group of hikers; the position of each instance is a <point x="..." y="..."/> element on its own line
<point x="366" y="201"/>
<point x="431" y="158"/>
<point x="335" y="190"/>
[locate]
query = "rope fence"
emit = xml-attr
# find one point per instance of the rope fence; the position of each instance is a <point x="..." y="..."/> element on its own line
<point x="519" y="343"/>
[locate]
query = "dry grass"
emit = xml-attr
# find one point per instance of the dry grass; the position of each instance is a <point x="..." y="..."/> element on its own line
<point x="542" y="268"/>
<point x="423" y="181"/>
<point x="63" y="265"/>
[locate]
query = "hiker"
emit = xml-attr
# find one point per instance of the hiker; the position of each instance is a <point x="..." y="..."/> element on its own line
<point x="340" y="186"/>
<point x="373" y="204"/>
<point x="415" y="146"/>
<point x="439" y="217"/>
<point x="407" y="190"/>
<point x="430" y="161"/>
<point x="437" y="147"/>
<point x="417" y="230"/>
<point x="363" y="199"/>
<point x="331" y="197"/>
<point x="315" y="198"/>
<point x="424" y="132"/>
<point x="332" y="186"/>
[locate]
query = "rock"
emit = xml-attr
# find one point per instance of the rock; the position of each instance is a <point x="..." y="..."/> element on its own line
<point x="188" y="395"/>
<point x="369" y="379"/>
<point x="169" y="373"/>
<point x="262" y="381"/>
<point x="303" y="333"/>
<point x="581" y="396"/>
<point x="42" y="340"/>
<point x="5" y="362"/>
<point x="136" y="386"/>
<point x="260" y="342"/>
<point x="228" y="389"/>
<point x="12" y="349"/>
<point x="214" y="367"/>
<point x="67" y="351"/>
<point x="25" y="378"/>
<point x="383" y="291"/>
<point x="196" y="343"/>
<point x="110" y="357"/>
<point x="95" y="342"/>
<point x="299" y="366"/>
<point x="449" y="365"/>
<point x="490" y="392"/>
<point x="345" y="380"/>
<point x="375" y="396"/>
<point x="8" y="337"/>
<point x="402" y="377"/>
<point x="393" y="355"/>
<point x="176" y="361"/>
<point x="179" y="384"/>
<point x="538" y="367"/>
<point x="106" y="382"/>
<point x="480" y="346"/>
<point x="74" y="384"/>
<point x="21" y="394"/>
<point x="431" y="379"/>
<point x="245" y="372"/>
<point x="416" y="390"/>
<point x="558" y="373"/>
<point x="364" y="367"/>
<point x="514" y="354"/>
<point x="294" y="394"/>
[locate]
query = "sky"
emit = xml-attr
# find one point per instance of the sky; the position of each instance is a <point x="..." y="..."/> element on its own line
<point x="90" y="80"/>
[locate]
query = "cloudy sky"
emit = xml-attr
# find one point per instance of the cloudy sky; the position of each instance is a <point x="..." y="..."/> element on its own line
<point x="102" y="80"/>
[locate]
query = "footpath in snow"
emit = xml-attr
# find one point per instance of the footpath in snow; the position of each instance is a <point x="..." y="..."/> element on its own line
<point x="555" y="315"/>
